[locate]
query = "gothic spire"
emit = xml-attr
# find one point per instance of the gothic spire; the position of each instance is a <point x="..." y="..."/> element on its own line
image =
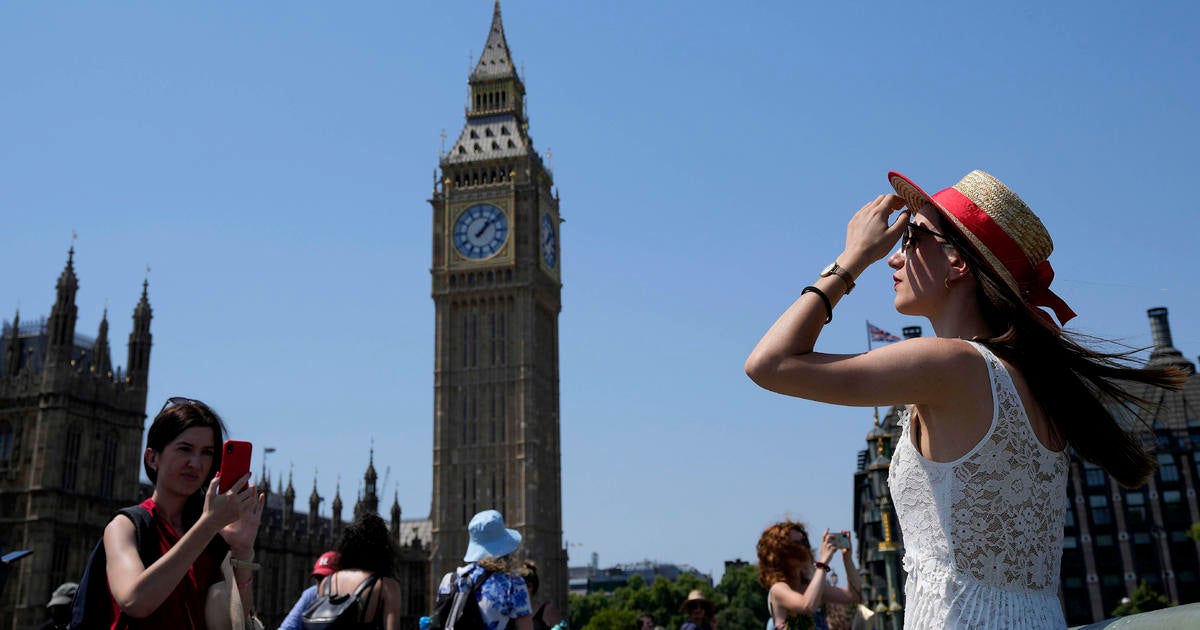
<point x="140" y="340"/>
<point x="101" y="357"/>
<point x="62" y="315"/>
<point x="12" y="353"/>
<point x="495" y="62"/>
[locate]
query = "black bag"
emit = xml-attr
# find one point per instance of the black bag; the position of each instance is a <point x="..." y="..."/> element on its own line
<point x="331" y="612"/>
<point x="91" y="609"/>
<point x="459" y="610"/>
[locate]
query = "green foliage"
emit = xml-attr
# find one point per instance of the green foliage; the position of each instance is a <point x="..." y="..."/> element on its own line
<point x="1143" y="599"/>
<point x="739" y="589"/>
<point x="741" y="602"/>
<point x="612" y="619"/>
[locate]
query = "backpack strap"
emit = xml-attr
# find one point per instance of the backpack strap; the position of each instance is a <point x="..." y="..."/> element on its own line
<point x="92" y="604"/>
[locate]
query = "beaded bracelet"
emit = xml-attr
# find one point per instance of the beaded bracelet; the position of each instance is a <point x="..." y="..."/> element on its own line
<point x="246" y="583"/>
<point x="821" y="565"/>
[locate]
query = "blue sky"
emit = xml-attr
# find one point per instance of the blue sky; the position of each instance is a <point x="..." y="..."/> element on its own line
<point x="271" y="162"/>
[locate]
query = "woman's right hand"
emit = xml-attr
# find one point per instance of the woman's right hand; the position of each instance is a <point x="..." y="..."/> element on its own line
<point x="869" y="237"/>
<point x="828" y="547"/>
<point x="223" y="508"/>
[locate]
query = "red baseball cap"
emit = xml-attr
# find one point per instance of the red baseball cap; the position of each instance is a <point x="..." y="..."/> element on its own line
<point x="327" y="564"/>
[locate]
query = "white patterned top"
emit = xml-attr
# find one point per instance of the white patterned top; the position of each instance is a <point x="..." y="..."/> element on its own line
<point x="983" y="534"/>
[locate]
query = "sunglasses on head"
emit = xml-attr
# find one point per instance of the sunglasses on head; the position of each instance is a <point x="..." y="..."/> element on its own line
<point x="178" y="400"/>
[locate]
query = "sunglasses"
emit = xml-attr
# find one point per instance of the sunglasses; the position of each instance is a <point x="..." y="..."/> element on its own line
<point x="178" y="400"/>
<point x="912" y="232"/>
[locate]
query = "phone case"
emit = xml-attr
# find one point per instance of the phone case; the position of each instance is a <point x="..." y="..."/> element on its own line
<point x="235" y="462"/>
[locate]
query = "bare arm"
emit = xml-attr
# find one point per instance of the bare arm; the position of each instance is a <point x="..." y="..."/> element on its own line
<point x="139" y="590"/>
<point x="391" y="604"/>
<point x="524" y="623"/>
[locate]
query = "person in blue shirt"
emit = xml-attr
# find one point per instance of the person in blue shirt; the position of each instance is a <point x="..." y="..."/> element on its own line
<point x="325" y="566"/>
<point x="503" y="598"/>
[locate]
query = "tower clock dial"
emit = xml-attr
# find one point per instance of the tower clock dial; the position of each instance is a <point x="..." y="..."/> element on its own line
<point x="549" y="242"/>
<point x="480" y="231"/>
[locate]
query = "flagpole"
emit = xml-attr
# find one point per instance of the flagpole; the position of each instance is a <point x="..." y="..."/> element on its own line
<point x="875" y="410"/>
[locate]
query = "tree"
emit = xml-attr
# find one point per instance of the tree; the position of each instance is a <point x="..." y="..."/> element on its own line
<point x="1143" y="599"/>
<point x="739" y="590"/>
<point x="612" y="619"/>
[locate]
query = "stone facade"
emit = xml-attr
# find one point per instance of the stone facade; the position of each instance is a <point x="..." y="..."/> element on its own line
<point x="497" y="294"/>
<point x="70" y="444"/>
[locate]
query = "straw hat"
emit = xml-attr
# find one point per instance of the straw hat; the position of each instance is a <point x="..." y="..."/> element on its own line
<point x="1003" y="231"/>
<point x="696" y="597"/>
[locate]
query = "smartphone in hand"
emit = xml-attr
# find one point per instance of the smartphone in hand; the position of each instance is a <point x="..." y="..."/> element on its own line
<point x="841" y="539"/>
<point x="235" y="462"/>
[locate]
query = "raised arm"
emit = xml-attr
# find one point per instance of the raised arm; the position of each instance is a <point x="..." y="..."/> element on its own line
<point x="918" y="370"/>
<point x="139" y="590"/>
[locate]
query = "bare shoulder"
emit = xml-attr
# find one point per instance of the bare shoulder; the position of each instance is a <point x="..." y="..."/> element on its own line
<point x="119" y="530"/>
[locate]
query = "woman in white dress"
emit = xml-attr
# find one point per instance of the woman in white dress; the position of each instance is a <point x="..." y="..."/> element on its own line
<point x="979" y="474"/>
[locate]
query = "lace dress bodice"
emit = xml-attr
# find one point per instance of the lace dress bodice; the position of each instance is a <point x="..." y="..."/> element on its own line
<point x="983" y="534"/>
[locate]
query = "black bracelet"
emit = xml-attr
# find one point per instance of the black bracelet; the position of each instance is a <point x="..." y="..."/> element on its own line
<point x="824" y="298"/>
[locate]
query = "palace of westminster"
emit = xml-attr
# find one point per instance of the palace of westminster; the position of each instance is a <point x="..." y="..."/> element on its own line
<point x="71" y="423"/>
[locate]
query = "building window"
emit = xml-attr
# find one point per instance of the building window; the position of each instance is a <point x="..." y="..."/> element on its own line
<point x="108" y="466"/>
<point x="6" y="444"/>
<point x="1070" y="514"/>
<point x="70" y="459"/>
<point x="1104" y="540"/>
<point x="1135" y="505"/>
<point x="1141" y="538"/>
<point x="1100" y="512"/>
<point x="1095" y="475"/>
<point x="58" y="560"/>
<point x="1070" y="542"/>
<point x="1167" y="470"/>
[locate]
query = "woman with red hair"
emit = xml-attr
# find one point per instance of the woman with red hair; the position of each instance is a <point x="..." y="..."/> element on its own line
<point x="795" y="583"/>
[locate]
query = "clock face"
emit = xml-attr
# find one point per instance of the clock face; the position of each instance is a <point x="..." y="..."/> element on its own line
<point x="480" y="231"/>
<point x="549" y="242"/>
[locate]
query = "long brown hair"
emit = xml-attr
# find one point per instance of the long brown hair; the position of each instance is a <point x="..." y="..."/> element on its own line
<point x="1080" y="388"/>
<point x="778" y="554"/>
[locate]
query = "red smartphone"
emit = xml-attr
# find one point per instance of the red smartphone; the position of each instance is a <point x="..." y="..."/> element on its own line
<point x="235" y="462"/>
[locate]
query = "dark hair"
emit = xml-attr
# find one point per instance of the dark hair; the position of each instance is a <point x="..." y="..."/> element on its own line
<point x="367" y="545"/>
<point x="169" y="424"/>
<point x="645" y="616"/>
<point x="778" y="553"/>
<point x="1078" y="387"/>
<point x="531" y="577"/>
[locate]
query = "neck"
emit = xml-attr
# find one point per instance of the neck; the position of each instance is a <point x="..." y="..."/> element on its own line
<point x="170" y="507"/>
<point x="959" y="316"/>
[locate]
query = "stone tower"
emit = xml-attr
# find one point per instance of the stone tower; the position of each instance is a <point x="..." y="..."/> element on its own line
<point x="497" y="295"/>
<point x="70" y="444"/>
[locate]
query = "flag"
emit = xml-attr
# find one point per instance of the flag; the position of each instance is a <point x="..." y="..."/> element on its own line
<point x="879" y="334"/>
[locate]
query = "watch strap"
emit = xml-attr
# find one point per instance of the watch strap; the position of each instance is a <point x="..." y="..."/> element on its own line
<point x="835" y="269"/>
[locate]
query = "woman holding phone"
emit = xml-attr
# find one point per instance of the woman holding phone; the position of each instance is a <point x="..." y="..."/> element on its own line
<point x="195" y="525"/>
<point x="795" y="581"/>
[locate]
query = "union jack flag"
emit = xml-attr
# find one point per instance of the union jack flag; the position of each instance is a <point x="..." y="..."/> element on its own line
<point x="879" y="334"/>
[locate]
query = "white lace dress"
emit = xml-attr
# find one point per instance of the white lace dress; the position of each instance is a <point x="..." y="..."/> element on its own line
<point x="983" y="534"/>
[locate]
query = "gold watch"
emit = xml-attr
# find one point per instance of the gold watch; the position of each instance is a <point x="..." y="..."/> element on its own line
<point x="835" y="269"/>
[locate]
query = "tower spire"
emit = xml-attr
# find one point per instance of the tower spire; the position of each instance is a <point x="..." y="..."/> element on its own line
<point x="12" y="353"/>
<point x="495" y="62"/>
<point x="63" y="314"/>
<point x="101" y="356"/>
<point x="138" y="366"/>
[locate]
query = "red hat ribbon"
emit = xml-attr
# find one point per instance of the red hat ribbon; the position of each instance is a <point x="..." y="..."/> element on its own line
<point x="1033" y="283"/>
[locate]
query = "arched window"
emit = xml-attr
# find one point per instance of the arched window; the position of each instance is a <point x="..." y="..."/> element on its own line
<point x="108" y="466"/>
<point x="6" y="444"/>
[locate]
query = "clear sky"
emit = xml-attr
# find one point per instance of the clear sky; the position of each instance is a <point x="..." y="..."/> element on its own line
<point x="271" y="162"/>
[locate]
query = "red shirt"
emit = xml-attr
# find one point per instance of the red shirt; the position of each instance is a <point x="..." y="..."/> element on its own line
<point x="184" y="607"/>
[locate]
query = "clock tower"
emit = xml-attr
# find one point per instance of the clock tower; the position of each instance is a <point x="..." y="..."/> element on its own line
<point x="497" y="294"/>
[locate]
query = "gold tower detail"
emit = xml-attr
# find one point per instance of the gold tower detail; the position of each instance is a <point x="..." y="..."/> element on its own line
<point x="497" y="296"/>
